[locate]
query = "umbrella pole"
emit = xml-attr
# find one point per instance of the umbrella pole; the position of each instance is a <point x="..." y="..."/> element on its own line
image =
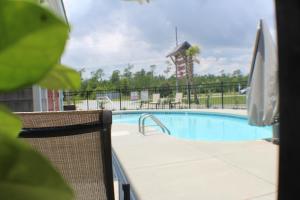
<point x="276" y="136"/>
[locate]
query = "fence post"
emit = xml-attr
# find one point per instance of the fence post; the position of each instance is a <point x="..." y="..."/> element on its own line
<point x="74" y="102"/>
<point x="189" y="95"/>
<point x="207" y="101"/>
<point x="87" y="100"/>
<point x="120" y="98"/>
<point x="222" y="90"/>
<point x="66" y="96"/>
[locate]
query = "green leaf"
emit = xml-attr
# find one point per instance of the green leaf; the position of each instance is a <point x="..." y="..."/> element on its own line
<point x="10" y="124"/>
<point x="26" y="175"/>
<point x="33" y="1"/>
<point x="61" y="77"/>
<point x="32" y="40"/>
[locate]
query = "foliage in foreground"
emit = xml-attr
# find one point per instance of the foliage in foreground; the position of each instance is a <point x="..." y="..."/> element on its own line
<point x="32" y="40"/>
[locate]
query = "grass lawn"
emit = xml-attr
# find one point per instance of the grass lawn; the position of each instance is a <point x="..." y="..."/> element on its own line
<point x="228" y="99"/>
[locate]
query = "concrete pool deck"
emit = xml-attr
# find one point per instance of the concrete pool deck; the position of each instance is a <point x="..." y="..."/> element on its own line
<point x="162" y="167"/>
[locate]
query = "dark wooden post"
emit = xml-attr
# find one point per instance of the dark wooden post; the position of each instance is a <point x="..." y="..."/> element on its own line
<point x="288" y="29"/>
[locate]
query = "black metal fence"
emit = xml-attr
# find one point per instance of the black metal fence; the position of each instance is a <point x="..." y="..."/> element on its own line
<point x="220" y="95"/>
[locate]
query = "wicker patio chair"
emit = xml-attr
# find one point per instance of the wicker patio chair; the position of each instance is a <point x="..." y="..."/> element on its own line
<point x="78" y="143"/>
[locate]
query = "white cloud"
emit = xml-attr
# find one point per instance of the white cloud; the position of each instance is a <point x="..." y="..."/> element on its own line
<point x="99" y="43"/>
<point x="214" y="65"/>
<point x="111" y="47"/>
<point x="111" y="34"/>
<point x="77" y="9"/>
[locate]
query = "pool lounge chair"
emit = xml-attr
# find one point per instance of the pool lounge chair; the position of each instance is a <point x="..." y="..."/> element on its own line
<point x="155" y="100"/>
<point x="178" y="100"/>
<point x="144" y="98"/>
<point x="135" y="101"/>
<point x="79" y="145"/>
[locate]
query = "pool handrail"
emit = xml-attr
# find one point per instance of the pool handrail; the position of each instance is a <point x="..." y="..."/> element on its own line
<point x="142" y="119"/>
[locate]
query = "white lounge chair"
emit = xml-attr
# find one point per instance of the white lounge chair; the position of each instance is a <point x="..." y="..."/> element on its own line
<point x="178" y="99"/>
<point x="155" y="100"/>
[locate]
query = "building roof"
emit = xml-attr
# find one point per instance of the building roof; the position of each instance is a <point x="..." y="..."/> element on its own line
<point x="56" y="6"/>
<point x="182" y="47"/>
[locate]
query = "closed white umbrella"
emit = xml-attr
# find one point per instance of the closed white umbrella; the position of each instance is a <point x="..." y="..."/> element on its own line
<point x="263" y="94"/>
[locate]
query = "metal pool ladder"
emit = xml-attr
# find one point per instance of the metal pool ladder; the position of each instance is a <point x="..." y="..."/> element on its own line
<point x="142" y="119"/>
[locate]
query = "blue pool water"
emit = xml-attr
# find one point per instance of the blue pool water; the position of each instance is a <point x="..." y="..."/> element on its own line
<point x="203" y="126"/>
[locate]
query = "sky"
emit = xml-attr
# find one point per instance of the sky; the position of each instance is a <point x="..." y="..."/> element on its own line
<point x="110" y="34"/>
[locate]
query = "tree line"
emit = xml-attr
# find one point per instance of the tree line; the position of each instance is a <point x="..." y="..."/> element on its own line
<point x="147" y="78"/>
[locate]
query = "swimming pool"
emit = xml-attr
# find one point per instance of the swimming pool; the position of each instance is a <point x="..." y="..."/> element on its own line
<point x="202" y="126"/>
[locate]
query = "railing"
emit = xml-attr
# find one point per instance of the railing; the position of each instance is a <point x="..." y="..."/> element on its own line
<point x="230" y="95"/>
<point x="123" y="187"/>
<point x="142" y="119"/>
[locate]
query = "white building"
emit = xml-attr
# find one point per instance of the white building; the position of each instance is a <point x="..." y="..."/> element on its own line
<point x="35" y="98"/>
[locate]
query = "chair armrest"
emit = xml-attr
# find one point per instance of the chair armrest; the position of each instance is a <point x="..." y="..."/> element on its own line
<point x="116" y="189"/>
<point x="125" y="193"/>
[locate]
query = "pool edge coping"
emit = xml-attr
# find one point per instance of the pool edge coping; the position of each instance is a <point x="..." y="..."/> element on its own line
<point x="205" y="112"/>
